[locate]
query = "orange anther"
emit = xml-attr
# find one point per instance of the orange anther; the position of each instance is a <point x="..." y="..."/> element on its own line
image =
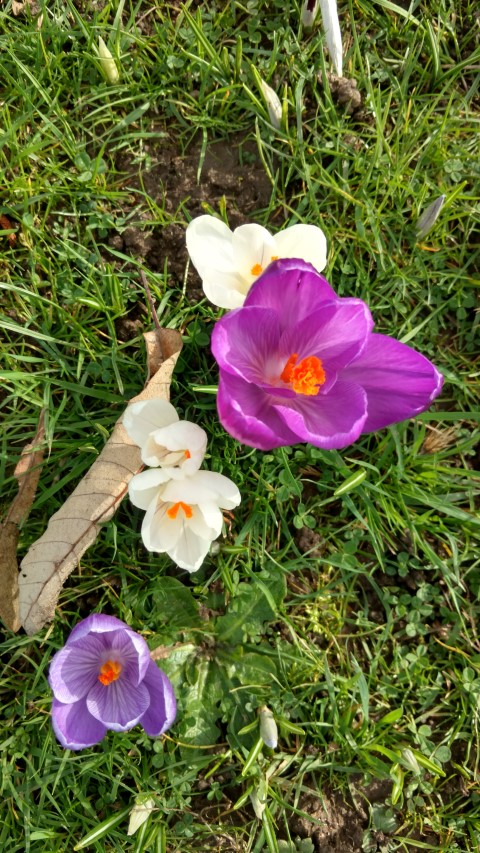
<point x="304" y="377"/>
<point x="256" y="269"/>
<point x="172" y="512"/>
<point x="109" y="671"/>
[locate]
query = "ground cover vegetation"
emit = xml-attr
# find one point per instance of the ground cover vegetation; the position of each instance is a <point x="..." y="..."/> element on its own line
<point x="345" y="594"/>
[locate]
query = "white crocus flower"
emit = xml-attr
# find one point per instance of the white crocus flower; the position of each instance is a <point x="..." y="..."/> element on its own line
<point x="183" y="517"/>
<point x="333" y="35"/>
<point x="176" y="446"/>
<point x="229" y="262"/>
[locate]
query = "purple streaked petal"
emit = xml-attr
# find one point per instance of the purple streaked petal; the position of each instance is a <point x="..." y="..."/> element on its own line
<point x="399" y="381"/>
<point x="74" y="726"/>
<point x="246" y="412"/>
<point x="291" y="288"/>
<point x="133" y="653"/>
<point x="118" y="705"/>
<point x="330" y="421"/>
<point x="244" y="340"/>
<point x="74" y="669"/>
<point x="96" y="623"/>
<point x="162" y="710"/>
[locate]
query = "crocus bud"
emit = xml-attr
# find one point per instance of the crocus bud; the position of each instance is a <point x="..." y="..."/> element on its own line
<point x="273" y="103"/>
<point x="109" y="66"/>
<point x="429" y="217"/>
<point x="268" y="727"/>
<point x="309" y="13"/>
<point x="410" y="762"/>
<point x="333" y="36"/>
<point x="258" y="805"/>
<point x="141" y="811"/>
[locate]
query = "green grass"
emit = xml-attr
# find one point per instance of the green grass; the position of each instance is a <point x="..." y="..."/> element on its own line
<point x="366" y="647"/>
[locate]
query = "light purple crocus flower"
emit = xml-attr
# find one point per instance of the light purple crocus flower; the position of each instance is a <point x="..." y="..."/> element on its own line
<point x="104" y="678"/>
<point x="299" y="363"/>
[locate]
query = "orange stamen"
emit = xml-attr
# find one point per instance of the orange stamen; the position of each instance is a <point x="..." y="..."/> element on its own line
<point x="274" y="258"/>
<point x="187" y="454"/>
<point x="256" y="269"/>
<point x="172" y="512"/>
<point x="109" y="671"/>
<point x="304" y="377"/>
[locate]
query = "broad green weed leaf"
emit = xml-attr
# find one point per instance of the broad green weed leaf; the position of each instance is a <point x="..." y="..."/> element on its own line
<point x="176" y="601"/>
<point x="254" y="604"/>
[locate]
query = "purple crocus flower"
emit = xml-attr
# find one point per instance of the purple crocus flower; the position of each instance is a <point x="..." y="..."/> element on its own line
<point x="104" y="678"/>
<point x="299" y="363"/>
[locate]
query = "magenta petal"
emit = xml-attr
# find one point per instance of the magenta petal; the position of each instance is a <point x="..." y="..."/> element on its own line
<point x="74" y="726"/>
<point x="399" y="381"/>
<point x="163" y="707"/>
<point x="336" y="333"/>
<point x="118" y="705"/>
<point x="244" y="340"/>
<point x="330" y="421"/>
<point x="246" y="412"/>
<point x="74" y="669"/>
<point x="291" y="288"/>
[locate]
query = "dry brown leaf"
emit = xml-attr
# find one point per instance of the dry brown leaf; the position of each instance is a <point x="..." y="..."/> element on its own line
<point x="75" y="526"/>
<point x="19" y="8"/>
<point x="27" y="474"/>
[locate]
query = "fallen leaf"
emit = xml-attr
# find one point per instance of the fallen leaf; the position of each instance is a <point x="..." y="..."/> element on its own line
<point x="18" y="8"/>
<point x="75" y="526"/>
<point x="27" y="474"/>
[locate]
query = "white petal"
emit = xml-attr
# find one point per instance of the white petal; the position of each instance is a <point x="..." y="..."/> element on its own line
<point x="190" y="551"/>
<point x="181" y="436"/>
<point x="306" y="242"/>
<point x="213" y="518"/>
<point x="201" y="487"/>
<point x="226" y="290"/>
<point x="159" y="531"/>
<point x="333" y="35"/>
<point x="253" y="249"/>
<point x="224" y="492"/>
<point x="140" y="419"/>
<point x="209" y="244"/>
<point x="145" y="487"/>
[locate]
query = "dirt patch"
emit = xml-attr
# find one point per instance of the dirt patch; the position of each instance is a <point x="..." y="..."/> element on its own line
<point x="230" y="177"/>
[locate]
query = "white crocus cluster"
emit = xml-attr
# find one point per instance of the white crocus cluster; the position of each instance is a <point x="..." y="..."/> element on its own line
<point x="228" y="262"/>
<point x="182" y="504"/>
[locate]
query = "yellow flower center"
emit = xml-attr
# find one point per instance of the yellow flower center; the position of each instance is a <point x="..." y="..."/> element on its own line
<point x="109" y="671"/>
<point x="173" y="511"/>
<point x="257" y="269"/>
<point x="306" y="377"/>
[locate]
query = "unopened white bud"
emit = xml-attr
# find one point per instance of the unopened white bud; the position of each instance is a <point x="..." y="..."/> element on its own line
<point x="109" y="66"/>
<point x="429" y="217"/>
<point x="410" y="762"/>
<point x="309" y="13"/>
<point x="273" y="103"/>
<point x="140" y="813"/>
<point x="268" y="727"/>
